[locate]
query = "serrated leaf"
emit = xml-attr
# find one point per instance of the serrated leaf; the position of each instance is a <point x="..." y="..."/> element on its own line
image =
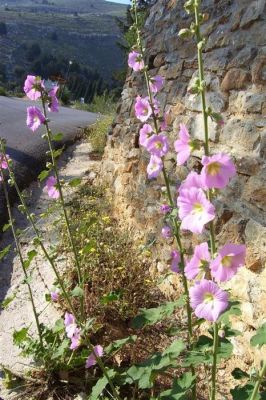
<point x="57" y="137"/>
<point x="43" y="175"/>
<point x="237" y="373"/>
<point x="75" y="182"/>
<point x="4" y="252"/>
<point x="234" y="309"/>
<point x="31" y="254"/>
<point x="59" y="326"/>
<point x="60" y="351"/>
<point x="118" y="344"/>
<point x="243" y="392"/>
<point x="180" y="388"/>
<point x="77" y="292"/>
<point x="151" y="316"/>
<point x="101" y="384"/>
<point x="260" y="338"/>
<point x="57" y="153"/>
<point x="20" y="336"/>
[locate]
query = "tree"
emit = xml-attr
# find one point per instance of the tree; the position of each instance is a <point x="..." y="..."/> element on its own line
<point x="34" y="51"/>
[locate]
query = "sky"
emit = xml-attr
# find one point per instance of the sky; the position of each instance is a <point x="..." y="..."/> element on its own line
<point x="120" y="1"/>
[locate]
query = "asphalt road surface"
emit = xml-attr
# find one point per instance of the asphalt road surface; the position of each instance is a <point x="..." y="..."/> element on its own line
<point x="26" y="148"/>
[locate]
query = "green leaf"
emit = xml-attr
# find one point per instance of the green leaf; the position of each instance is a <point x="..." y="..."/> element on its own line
<point x="43" y="175"/>
<point x="237" y="373"/>
<point x="60" y="351"/>
<point x="57" y="153"/>
<point x="20" y="336"/>
<point x="6" y="227"/>
<point x="110" y="297"/>
<point x="151" y="316"/>
<point x="77" y="292"/>
<point x="89" y="247"/>
<point x="234" y="309"/>
<point x="59" y="326"/>
<point x="75" y="182"/>
<point x="8" y="300"/>
<point x="180" y="388"/>
<point x="31" y="254"/>
<point x="118" y="344"/>
<point x="101" y="384"/>
<point x="57" y="137"/>
<point x="243" y="392"/>
<point x="4" y="252"/>
<point x="260" y="338"/>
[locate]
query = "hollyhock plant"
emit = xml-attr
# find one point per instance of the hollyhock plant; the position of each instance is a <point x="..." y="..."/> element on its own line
<point x="217" y="170"/>
<point x="54" y="295"/>
<point x="199" y="261"/>
<point x="156" y="83"/>
<point x="165" y="208"/>
<point x="34" y="118"/>
<point x="166" y="232"/>
<point x="183" y="146"/>
<point x="175" y="255"/>
<point x="143" y="108"/>
<point x="91" y="360"/>
<point x="33" y="86"/>
<point x="194" y="210"/>
<point x="53" y="105"/>
<point x="230" y="258"/>
<point x="208" y="300"/>
<point x="51" y="188"/>
<point x="154" y="167"/>
<point x="192" y="180"/>
<point x="70" y="324"/>
<point x="75" y="339"/>
<point x="4" y="161"/>
<point x="158" y="145"/>
<point x="144" y="134"/>
<point x="135" y="61"/>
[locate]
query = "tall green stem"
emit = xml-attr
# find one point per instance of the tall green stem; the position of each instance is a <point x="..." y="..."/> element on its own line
<point x="214" y="362"/>
<point x="262" y="374"/>
<point x="70" y="235"/>
<point x="35" y="313"/>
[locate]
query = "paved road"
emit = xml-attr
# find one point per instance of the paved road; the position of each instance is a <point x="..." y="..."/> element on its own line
<point x="28" y="149"/>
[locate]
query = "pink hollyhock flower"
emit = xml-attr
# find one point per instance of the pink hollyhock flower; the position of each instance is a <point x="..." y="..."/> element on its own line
<point x="53" y="105"/>
<point x="175" y="255"/>
<point x="91" y="360"/>
<point x="199" y="261"/>
<point x="192" y="180"/>
<point x="217" y="170"/>
<point x="230" y="258"/>
<point x="158" y="145"/>
<point x="166" y="232"/>
<point x="75" y="339"/>
<point x="144" y="134"/>
<point x="51" y="188"/>
<point x="135" y="61"/>
<point x="34" y="118"/>
<point x="156" y="83"/>
<point x="154" y="167"/>
<point x="4" y="161"/>
<point x="183" y="145"/>
<point x="143" y="108"/>
<point x="32" y="87"/>
<point x="208" y="300"/>
<point x="70" y="324"/>
<point x="165" y="208"/>
<point x="54" y="295"/>
<point x="156" y="106"/>
<point x="195" y="210"/>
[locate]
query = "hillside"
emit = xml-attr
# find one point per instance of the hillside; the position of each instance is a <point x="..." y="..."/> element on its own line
<point x="84" y="31"/>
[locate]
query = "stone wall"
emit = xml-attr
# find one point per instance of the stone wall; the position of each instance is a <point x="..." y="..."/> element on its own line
<point x="235" y="64"/>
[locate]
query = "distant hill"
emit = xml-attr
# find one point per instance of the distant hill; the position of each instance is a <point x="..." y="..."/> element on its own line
<point x="84" y="31"/>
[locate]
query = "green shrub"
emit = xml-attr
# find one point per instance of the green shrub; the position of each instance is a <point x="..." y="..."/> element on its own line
<point x="97" y="133"/>
<point x="3" y="91"/>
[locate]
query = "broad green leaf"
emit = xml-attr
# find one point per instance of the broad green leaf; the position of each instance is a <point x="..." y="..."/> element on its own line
<point x="239" y="374"/>
<point x="243" y="392"/>
<point x="20" y="336"/>
<point x="31" y="254"/>
<point x="77" y="292"/>
<point x="60" y="351"/>
<point x="234" y="309"/>
<point x="98" y="389"/>
<point x="75" y="182"/>
<point x="6" y="227"/>
<point x="260" y="338"/>
<point x="8" y="300"/>
<point x="58" y="152"/>
<point x="59" y="326"/>
<point x="43" y="175"/>
<point x="57" y="137"/>
<point x="180" y="388"/>
<point x="118" y="344"/>
<point x="151" y="316"/>
<point x="4" y="252"/>
<point x="110" y="297"/>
